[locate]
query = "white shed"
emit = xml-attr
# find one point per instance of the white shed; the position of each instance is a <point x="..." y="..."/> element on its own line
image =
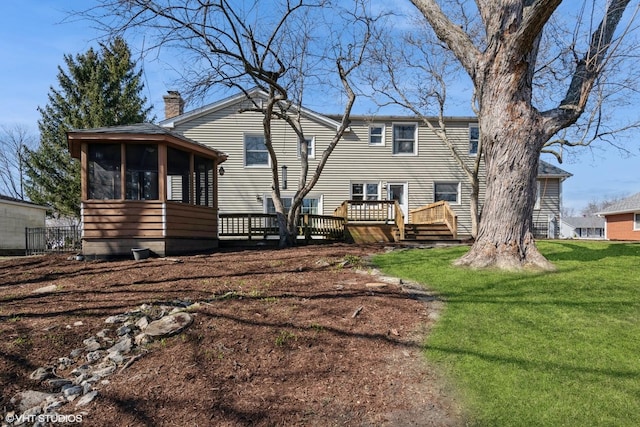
<point x="15" y="216"/>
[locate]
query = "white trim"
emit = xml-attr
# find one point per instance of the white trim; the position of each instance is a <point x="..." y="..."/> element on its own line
<point x="415" y="139"/>
<point x="244" y="152"/>
<point x="312" y="145"/>
<point x="475" y="126"/>
<point x="382" y="135"/>
<point x="164" y="219"/>
<point x="405" y="190"/>
<point x="364" y="188"/>
<point x="171" y="123"/>
<point x="458" y="195"/>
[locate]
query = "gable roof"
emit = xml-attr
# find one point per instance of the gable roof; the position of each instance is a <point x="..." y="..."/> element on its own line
<point x="137" y="132"/>
<point x="584" y="221"/>
<point x="630" y="204"/>
<point x="234" y="99"/>
<point x="548" y="170"/>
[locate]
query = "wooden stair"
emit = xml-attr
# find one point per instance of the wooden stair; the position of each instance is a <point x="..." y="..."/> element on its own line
<point x="426" y="233"/>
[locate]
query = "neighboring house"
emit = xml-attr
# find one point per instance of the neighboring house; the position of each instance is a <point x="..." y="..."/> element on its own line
<point x="15" y="216"/>
<point x="622" y="219"/>
<point x="582" y="227"/>
<point x="380" y="158"/>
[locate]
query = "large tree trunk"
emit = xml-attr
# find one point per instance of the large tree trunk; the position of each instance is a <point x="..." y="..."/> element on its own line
<point x="512" y="135"/>
<point x="512" y="142"/>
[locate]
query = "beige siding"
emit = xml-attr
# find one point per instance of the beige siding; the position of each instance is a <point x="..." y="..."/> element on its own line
<point x="244" y="189"/>
<point x="546" y="211"/>
<point x="14" y="218"/>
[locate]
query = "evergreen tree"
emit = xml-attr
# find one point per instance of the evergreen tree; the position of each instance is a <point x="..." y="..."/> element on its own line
<point x="97" y="89"/>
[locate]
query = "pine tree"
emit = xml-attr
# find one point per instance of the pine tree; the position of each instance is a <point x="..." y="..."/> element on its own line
<point x="96" y="89"/>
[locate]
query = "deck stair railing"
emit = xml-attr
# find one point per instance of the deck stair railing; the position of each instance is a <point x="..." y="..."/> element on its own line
<point x="436" y="213"/>
<point x="373" y="211"/>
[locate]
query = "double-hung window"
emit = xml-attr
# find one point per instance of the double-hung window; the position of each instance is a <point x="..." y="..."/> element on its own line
<point x="636" y="221"/>
<point x="376" y="135"/>
<point x="447" y="191"/>
<point x="311" y="147"/>
<point x="365" y="191"/>
<point x="310" y="205"/>
<point x="474" y="137"/>
<point x="255" y="151"/>
<point x="405" y="137"/>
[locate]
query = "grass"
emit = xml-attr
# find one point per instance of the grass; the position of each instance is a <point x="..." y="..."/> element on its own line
<point x="543" y="349"/>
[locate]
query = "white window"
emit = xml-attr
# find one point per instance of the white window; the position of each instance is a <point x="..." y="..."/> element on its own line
<point x="365" y="191"/>
<point x="376" y="135"/>
<point x="538" y="195"/>
<point x="310" y="205"/>
<point x="311" y="148"/>
<point x="474" y="137"/>
<point x="447" y="191"/>
<point x="636" y="221"/>
<point x="255" y="151"/>
<point x="404" y="138"/>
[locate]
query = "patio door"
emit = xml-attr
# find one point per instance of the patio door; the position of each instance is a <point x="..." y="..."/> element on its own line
<point x="398" y="191"/>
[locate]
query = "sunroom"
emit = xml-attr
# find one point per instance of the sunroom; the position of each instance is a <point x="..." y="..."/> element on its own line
<point x="145" y="187"/>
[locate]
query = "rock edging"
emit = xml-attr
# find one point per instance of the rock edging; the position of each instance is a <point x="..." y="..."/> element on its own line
<point x="77" y="378"/>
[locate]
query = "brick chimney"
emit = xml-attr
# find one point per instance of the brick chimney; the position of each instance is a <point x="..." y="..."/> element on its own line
<point x="173" y="104"/>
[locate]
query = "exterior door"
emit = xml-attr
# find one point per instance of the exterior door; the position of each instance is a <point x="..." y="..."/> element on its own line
<point x="398" y="191"/>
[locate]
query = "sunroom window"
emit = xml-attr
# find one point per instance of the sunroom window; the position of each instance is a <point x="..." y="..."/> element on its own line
<point x="104" y="177"/>
<point x="142" y="172"/>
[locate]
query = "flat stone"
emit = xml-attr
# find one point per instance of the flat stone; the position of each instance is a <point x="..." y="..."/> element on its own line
<point x="72" y="391"/>
<point x="29" y="399"/>
<point x="91" y="344"/>
<point x="94" y="356"/>
<point x="87" y="398"/>
<point x="123" y="330"/>
<point x="59" y="382"/>
<point x="123" y="346"/>
<point x="41" y="374"/>
<point x="376" y="285"/>
<point x="104" y="372"/>
<point x="142" y="339"/>
<point x="45" y="289"/>
<point x="142" y="323"/>
<point x="168" y="325"/>
<point x="118" y="318"/>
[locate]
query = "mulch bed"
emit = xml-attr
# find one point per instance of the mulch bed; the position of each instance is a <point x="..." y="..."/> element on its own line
<point x="281" y="337"/>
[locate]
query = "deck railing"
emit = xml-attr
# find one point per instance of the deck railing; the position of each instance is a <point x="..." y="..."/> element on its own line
<point x="367" y="210"/>
<point x="262" y="226"/>
<point x="436" y="213"/>
<point x="378" y="211"/>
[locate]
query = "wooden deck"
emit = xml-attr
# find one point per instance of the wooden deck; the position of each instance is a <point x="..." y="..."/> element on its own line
<point x="360" y="221"/>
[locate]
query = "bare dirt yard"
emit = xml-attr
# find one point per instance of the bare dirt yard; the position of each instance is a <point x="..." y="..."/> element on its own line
<point x="288" y="337"/>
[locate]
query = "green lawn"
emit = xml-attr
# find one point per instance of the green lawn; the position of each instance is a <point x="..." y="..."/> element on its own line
<point x="546" y="349"/>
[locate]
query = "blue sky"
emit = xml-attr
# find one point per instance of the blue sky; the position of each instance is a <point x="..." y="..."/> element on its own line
<point x="35" y="34"/>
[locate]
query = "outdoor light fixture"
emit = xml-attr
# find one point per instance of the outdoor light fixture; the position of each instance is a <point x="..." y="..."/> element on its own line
<point x="284" y="177"/>
<point x="221" y="171"/>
